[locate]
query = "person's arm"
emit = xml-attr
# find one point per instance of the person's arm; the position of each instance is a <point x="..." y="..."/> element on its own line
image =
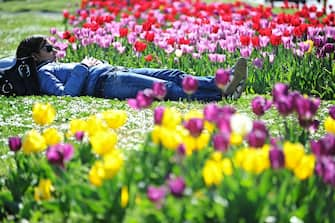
<point x="51" y="85"/>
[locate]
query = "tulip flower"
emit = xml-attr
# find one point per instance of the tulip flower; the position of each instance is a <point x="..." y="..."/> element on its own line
<point x="14" y="143"/>
<point x="33" y="142"/>
<point x="194" y="126"/>
<point x="143" y="100"/>
<point x="59" y="154"/>
<point x="177" y="186"/>
<point x="325" y="146"/>
<point x="156" y="194"/>
<point x="43" y="190"/>
<point x="159" y="90"/>
<point x="211" y="112"/>
<point x="256" y="138"/>
<point x="221" y="141"/>
<point x="158" y="115"/>
<point x="222" y="77"/>
<point x="258" y="63"/>
<point x="190" y="84"/>
<point x="79" y="135"/>
<point x="124" y="196"/>
<point x="259" y="105"/>
<point x="332" y="111"/>
<point x="52" y="136"/>
<point x="43" y="114"/>
<point x="276" y="157"/>
<point x="325" y="168"/>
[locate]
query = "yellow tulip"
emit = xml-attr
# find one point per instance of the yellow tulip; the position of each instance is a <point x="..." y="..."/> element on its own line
<point x="170" y="138"/>
<point x="190" y="144"/>
<point x="330" y="125"/>
<point x="293" y="154"/>
<point x="216" y="156"/>
<point x="227" y="167"/>
<point x="97" y="173"/>
<point x="202" y="140"/>
<point x="235" y="139"/>
<point x="156" y="134"/>
<point x="43" y="114"/>
<point x="43" y="190"/>
<point x="112" y="163"/>
<point x="77" y="125"/>
<point x="33" y="141"/>
<point x="311" y="44"/>
<point x="95" y="124"/>
<point x="212" y="173"/>
<point x="305" y="168"/>
<point x="103" y="142"/>
<point x="114" y="118"/>
<point x="253" y="160"/>
<point x="124" y="196"/>
<point x="52" y="136"/>
<point x="171" y="118"/>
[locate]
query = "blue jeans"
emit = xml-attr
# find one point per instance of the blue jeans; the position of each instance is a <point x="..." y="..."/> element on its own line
<point x="125" y="84"/>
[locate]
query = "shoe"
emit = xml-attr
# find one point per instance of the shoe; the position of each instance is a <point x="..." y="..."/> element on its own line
<point x="236" y="86"/>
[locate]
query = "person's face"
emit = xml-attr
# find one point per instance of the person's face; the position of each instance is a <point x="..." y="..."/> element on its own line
<point x="46" y="52"/>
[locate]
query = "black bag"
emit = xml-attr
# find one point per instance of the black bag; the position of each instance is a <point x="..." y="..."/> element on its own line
<point x="20" y="78"/>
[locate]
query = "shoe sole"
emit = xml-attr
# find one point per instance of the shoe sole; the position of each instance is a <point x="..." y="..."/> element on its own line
<point x="240" y="73"/>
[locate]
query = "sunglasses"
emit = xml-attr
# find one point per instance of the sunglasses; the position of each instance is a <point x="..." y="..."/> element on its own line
<point x="48" y="48"/>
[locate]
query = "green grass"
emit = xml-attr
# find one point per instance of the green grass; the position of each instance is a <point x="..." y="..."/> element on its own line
<point x="20" y="19"/>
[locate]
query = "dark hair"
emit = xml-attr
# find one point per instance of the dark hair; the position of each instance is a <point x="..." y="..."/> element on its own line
<point x="30" y="45"/>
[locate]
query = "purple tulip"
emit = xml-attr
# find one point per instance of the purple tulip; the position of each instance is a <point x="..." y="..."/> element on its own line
<point x="181" y="150"/>
<point x="284" y="104"/>
<point x="258" y="63"/>
<point x="318" y="41"/>
<point x="325" y="146"/>
<point x="190" y="84"/>
<point x="276" y="157"/>
<point x="177" y="186"/>
<point x="314" y="126"/>
<point x="222" y="78"/>
<point x="211" y="112"/>
<point x="159" y="90"/>
<point x="143" y="100"/>
<point x="278" y="90"/>
<point x="79" y="135"/>
<point x="158" y="115"/>
<point x="194" y="126"/>
<point x="260" y="125"/>
<point x="332" y="111"/>
<point x="59" y="154"/>
<point x="256" y="138"/>
<point x="221" y="141"/>
<point x="328" y="48"/>
<point x="259" y="105"/>
<point x="14" y="143"/>
<point x="223" y="125"/>
<point x="306" y="109"/>
<point x="156" y="194"/>
<point x="325" y="168"/>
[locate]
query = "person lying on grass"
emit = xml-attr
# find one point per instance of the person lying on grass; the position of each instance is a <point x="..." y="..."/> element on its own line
<point x="91" y="77"/>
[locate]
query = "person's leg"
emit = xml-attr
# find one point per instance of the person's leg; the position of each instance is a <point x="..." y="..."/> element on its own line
<point x="237" y="84"/>
<point x="176" y="76"/>
<point x="124" y="85"/>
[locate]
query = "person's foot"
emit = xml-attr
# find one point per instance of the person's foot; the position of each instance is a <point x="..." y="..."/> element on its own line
<point x="236" y="86"/>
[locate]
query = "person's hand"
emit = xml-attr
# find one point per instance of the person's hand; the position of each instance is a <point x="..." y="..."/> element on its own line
<point x="91" y="61"/>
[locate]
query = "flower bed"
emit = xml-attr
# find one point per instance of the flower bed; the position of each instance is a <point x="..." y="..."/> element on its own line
<point x="215" y="164"/>
<point x="199" y="38"/>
